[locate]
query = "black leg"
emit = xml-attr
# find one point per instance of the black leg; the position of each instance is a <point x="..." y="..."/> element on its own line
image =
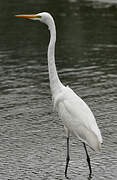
<point x="68" y="158"/>
<point x="88" y="160"/>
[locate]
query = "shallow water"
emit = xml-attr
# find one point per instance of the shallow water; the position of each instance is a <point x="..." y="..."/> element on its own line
<point x="32" y="140"/>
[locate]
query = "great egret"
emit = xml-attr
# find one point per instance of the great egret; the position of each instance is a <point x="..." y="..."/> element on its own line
<point x="74" y="112"/>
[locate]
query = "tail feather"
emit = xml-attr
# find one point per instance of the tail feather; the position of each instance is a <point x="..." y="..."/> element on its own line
<point x="89" y="137"/>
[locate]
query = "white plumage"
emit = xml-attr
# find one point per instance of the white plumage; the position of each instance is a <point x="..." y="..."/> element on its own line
<point x="78" y="118"/>
<point x="73" y="111"/>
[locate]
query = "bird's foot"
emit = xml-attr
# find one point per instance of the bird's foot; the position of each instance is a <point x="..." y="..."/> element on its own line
<point x="66" y="176"/>
<point x="90" y="176"/>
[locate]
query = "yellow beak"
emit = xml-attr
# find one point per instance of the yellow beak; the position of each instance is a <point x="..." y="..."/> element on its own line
<point x="27" y="16"/>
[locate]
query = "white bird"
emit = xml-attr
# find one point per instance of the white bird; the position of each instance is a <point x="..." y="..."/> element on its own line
<point x="77" y="117"/>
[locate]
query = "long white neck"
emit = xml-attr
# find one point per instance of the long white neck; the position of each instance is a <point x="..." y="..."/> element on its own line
<point x="55" y="83"/>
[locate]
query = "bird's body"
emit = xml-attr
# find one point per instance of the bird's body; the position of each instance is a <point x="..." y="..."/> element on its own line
<point x="77" y="117"/>
<point x="74" y="112"/>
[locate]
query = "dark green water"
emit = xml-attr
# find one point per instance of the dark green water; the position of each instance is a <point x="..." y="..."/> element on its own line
<point x="32" y="140"/>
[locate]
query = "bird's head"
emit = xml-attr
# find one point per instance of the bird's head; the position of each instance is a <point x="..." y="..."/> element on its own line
<point x="44" y="17"/>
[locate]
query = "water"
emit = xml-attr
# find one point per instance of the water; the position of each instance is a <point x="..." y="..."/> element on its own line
<point x="32" y="140"/>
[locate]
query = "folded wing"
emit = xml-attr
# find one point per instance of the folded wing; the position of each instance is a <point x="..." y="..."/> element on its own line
<point x="78" y="118"/>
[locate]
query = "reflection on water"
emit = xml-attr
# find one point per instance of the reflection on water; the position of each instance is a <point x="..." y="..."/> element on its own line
<point x="106" y="1"/>
<point x="32" y="141"/>
<point x="100" y="4"/>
